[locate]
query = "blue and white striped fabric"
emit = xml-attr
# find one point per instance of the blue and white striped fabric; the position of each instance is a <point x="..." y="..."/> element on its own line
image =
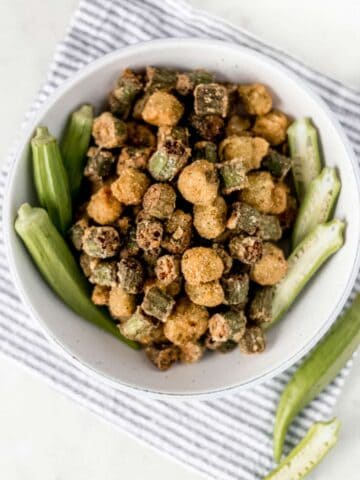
<point x="225" y="438"/>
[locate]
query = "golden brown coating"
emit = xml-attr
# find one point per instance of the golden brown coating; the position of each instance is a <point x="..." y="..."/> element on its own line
<point x="199" y="183"/>
<point x="167" y="269"/>
<point x="121" y="304"/>
<point x="135" y="157"/>
<point x="250" y="151"/>
<point x="191" y="352"/>
<point x="246" y="249"/>
<point x="253" y="341"/>
<point x="238" y="126"/>
<point x="272" y="127"/>
<point x="162" y="108"/>
<point x="272" y="266"/>
<point x="259" y="193"/>
<point x="103" y="207"/>
<point x="187" y="323"/>
<point x="210" y="220"/>
<point x="108" y="131"/>
<point x="280" y="197"/>
<point x="130" y="187"/>
<point x="162" y="356"/>
<point x="208" y="294"/>
<point x="178" y="231"/>
<point x="255" y="98"/>
<point x="141" y="135"/>
<point x="201" y="265"/>
<point x="100" y="295"/>
<point x="159" y="200"/>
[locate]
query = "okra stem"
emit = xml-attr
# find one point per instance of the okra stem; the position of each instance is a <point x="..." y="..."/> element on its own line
<point x="75" y="144"/>
<point x="55" y="262"/>
<point x="51" y="180"/>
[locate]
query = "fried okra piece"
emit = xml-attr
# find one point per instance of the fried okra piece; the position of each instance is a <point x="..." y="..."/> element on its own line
<point x="246" y="249"/>
<point x="259" y="192"/>
<point x="209" y="294"/>
<point x="179" y="134"/>
<point x="272" y="127"/>
<point x="130" y="246"/>
<point x="225" y="257"/>
<point x="260" y="310"/>
<point x="211" y="99"/>
<point x="249" y="151"/>
<point x="236" y="289"/>
<point x="159" y="200"/>
<point x="149" y="233"/>
<point x="76" y="232"/>
<point x="130" y="187"/>
<point x="103" y="207"/>
<point x="109" y="131"/>
<point x="163" y="356"/>
<point x="243" y="218"/>
<point x="186" y="82"/>
<point x="253" y="341"/>
<point x="255" y="98"/>
<point x="141" y="328"/>
<point x="187" y="322"/>
<point x="87" y="263"/>
<point x="287" y="218"/>
<point x="150" y="257"/>
<point x="121" y="304"/>
<point x="271" y="267"/>
<point x="269" y="228"/>
<point x="238" y="126"/>
<point x="201" y="265"/>
<point x="104" y="273"/>
<point x="167" y="161"/>
<point x="158" y="303"/>
<point x="191" y="352"/>
<point x="167" y="269"/>
<point x="131" y="275"/>
<point x="140" y="135"/>
<point x="210" y="220"/>
<point x="233" y="176"/>
<point x="226" y="326"/>
<point x="279" y="198"/>
<point x="99" y="164"/>
<point x="101" y="242"/>
<point x="277" y="164"/>
<point x="162" y="108"/>
<point x="100" y="295"/>
<point x="210" y="127"/>
<point x="221" y="347"/>
<point x="205" y="150"/>
<point x="199" y="183"/>
<point x="134" y="157"/>
<point x="160" y="79"/>
<point x="178" y="232"/>
<point x="121" y="99"/>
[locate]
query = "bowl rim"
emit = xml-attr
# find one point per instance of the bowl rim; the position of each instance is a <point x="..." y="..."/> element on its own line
<point x="8" y="222"/>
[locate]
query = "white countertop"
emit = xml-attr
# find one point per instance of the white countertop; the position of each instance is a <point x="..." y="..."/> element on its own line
<point x="45" y="436"/>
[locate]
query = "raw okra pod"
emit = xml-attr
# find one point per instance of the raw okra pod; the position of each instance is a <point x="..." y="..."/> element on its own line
<point x="75" y="144"/>
<point x="51" y="179"/>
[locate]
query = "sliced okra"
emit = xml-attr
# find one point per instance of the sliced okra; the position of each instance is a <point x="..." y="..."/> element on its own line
<point x="149" y="233"/>
<point x="269" y="228"/>
<point x="175" y="133"/>
<point x="211" y="99"/>
<point x="191" y="352"/>
<point x="141" y="328"/>
<point x="101" y="242"/>
<point x="77" y="231"/>
<point x="163" y="356"/>
<point x="160" y="79"/>
<point x="104" y="274"/>
<point x="260" y="310"/>
<point x="222" y="347"/>
<point x="253" y="341"/>
<point x="244" y="218"/>
<point x="167" y="269"/>
<point x="233" y="175"/>
<point x="246" y="249"/>
<point x="170" y="157"/>
<point x="178" y="232"/>
<point x="99" y="164"/>
<point x="205" y="150"/>
<point x="134" y="157"/>
<point x="225" y="257"/>
<point x="131" y="275"/>
<point x="130" y="247"/>
<point x="109" y="131"/>
<point x="236" y="289"/>
<point x="159" y="200"/>
<point x="229" y="325"/>
<point x="157" y="303"/>
<point x="277" y="164"/>
<point x="121" y="99"/>
<point x="186" y="82"/>
<point x="209" y="127"/>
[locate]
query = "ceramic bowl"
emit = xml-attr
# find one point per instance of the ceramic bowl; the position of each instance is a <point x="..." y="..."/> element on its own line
<point x="314" y="311"/>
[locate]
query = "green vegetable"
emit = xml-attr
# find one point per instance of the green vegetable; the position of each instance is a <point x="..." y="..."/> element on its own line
<point x="318" y="203"/>
<point x="54" y="260"/>
<point x="75" y="144"/>
<point x="51" y="180"/>
<point x="318" y="370"/>
<point x="304" y="150"/>
<point x="308" y="453"/>
<point x="304" y="262"/>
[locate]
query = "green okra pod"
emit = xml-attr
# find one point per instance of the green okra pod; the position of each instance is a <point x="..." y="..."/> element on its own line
<point x="55" y="262"/>
<point x="51" y="179"/>
<point x="75" y="144"/>
<point x="317" y="371"/>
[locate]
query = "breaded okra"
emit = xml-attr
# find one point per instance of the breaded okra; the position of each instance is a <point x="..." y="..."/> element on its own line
<point x="162" y="108"/>
<point x="130" y="187"/>
<point x="199" y="183"/>
<point x="271" y="267"/>
<point x="249" y="151"/>
<point x="104" y="207"/>
<point x="178" y="232"/>
<point x="209" y="294"/>
<point x="253" y="341"/>
<point x="100" y="163"/>
<point x="210" y="220"/>
<point x="158" y="303"/>
<point x="272" y="127"/>
<point x="163" y="355"/>
<point x="121" y="99"/>
<point x="109" y="131"/>
<point x="255" y="98"/>
<point x="230" y="325"/>
<point x="131" y="275"/>
<point x="201" y="265"/>
<point x="101" y="242"/>
<point x="211" y="99"/>
<point x="236" y="289"/>
<point x="159" y="200"/>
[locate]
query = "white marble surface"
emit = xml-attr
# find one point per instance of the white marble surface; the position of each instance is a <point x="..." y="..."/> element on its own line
<point x="43" y="435"/>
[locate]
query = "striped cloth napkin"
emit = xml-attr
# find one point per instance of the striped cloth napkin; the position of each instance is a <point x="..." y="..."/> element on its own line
<point x="225" y="438"/>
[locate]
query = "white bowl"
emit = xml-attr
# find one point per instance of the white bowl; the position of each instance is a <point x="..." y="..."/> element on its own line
<point x="100" y="354"/>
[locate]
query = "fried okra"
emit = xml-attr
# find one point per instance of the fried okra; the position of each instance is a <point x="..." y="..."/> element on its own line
<point x="186" y="187"/>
